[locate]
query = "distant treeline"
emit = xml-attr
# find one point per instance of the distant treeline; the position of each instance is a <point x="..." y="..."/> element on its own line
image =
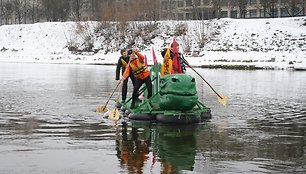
<point x="32" y="11"/>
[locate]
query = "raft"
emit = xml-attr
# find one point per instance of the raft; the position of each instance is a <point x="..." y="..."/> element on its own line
<point x="174" y="100"/>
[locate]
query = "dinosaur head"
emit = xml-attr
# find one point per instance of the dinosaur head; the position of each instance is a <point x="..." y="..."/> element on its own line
<point x="178" y="84"/>
<point x="177" y="92"/>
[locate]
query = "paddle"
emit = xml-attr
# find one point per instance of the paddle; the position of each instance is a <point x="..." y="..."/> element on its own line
<point x="115" y="113"/>
<point x="103" y="108"/>
<point x="221" y="98"/>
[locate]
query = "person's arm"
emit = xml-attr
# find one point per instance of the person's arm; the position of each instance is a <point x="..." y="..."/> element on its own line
<point x="126" y="72"/>
<point x="119" y="65"/>
<point x="182" y="61"/>
<point x="140" y="56"/>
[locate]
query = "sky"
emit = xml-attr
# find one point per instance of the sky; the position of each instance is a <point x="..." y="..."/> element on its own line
<point x="270" y="43"/>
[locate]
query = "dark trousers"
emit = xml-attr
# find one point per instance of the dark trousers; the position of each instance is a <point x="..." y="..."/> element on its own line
<point x="137" y="86"/>
<point x="125" y="86"/>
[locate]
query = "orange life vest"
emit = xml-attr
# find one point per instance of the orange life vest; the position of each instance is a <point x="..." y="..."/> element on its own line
<point x="139" y="69"/>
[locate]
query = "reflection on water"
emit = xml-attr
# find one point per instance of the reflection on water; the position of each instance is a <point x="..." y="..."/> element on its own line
<point x="177" y="147"/>
<point x="139" y="146"/>
<point x="174" y="147"/>
<point x="48" y="124"/>
<point x="133" y="148"/>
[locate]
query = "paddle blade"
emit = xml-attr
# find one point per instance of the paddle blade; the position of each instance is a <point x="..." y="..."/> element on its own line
<point x="114" y="114"/>
<point x="101" y="109"/>
<point x="222" y="100"/>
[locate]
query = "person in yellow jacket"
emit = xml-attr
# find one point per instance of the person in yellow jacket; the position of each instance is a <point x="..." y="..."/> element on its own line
<point x="121" y="65"/>
<point x="138" y="67"/>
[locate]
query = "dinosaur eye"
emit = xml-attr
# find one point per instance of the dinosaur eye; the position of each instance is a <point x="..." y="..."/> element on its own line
<point x="174" y="79"/>
<point x="193" y="80"/>
<point x="162" y="81"/>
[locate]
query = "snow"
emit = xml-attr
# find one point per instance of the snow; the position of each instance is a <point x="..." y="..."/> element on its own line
<point x="278" y="43"/>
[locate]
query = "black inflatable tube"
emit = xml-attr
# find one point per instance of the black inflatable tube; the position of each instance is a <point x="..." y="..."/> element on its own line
<point x="169" y="119"/>
<point x="141" y="116"/>
<point x="206" y="115"/>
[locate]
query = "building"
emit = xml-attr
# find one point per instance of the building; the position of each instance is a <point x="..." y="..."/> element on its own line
<point x="208" y="9"/>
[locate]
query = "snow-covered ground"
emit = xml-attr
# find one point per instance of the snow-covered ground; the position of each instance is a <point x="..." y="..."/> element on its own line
<point x="277" y="43"/>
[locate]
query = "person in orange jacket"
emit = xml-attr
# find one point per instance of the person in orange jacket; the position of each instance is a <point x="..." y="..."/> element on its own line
<point x="140" y="70"/>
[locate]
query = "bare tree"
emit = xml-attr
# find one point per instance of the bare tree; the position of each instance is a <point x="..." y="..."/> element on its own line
<point x="269" y="8"/>
<point x="113" y="11"/>
<point x="1" y="11"/>
<point x="295" y="7"/>
<point x="196" y="11"/>
<point x="19" y="9"/>
<point x="35" y="11"/>
<point x="95" y="8"/>
<point x="76" y="6"/>
<point x="168" y="8"/>
<point x="217" y="4"/>
<point x="7" y="9"/>
<point x="56" y="10"/>
<point x="150" y="10"/>
<point x="242" y="4"/>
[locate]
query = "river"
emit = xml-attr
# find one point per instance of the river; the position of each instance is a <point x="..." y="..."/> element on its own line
<point x="48" y="124"/>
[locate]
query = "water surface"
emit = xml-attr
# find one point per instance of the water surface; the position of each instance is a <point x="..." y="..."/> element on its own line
<point x="48" y="124"/>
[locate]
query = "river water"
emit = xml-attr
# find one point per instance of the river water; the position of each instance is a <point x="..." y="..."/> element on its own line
<point x="48" y="124"/>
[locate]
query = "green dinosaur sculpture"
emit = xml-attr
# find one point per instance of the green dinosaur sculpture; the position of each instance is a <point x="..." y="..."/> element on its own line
<point x="174" y="98"/>
<point x="177" y="92"/>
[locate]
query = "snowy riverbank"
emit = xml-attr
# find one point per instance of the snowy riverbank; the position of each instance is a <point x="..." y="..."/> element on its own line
<point x="259" y="43"/>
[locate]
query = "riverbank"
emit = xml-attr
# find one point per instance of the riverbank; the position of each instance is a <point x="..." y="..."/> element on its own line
<point x="230" y="43"/>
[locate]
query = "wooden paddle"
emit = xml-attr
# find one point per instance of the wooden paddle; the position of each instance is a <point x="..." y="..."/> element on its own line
<point x="115" y="113"/>
<point x="221" y="98"/>
<point x="103" y="108"/>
